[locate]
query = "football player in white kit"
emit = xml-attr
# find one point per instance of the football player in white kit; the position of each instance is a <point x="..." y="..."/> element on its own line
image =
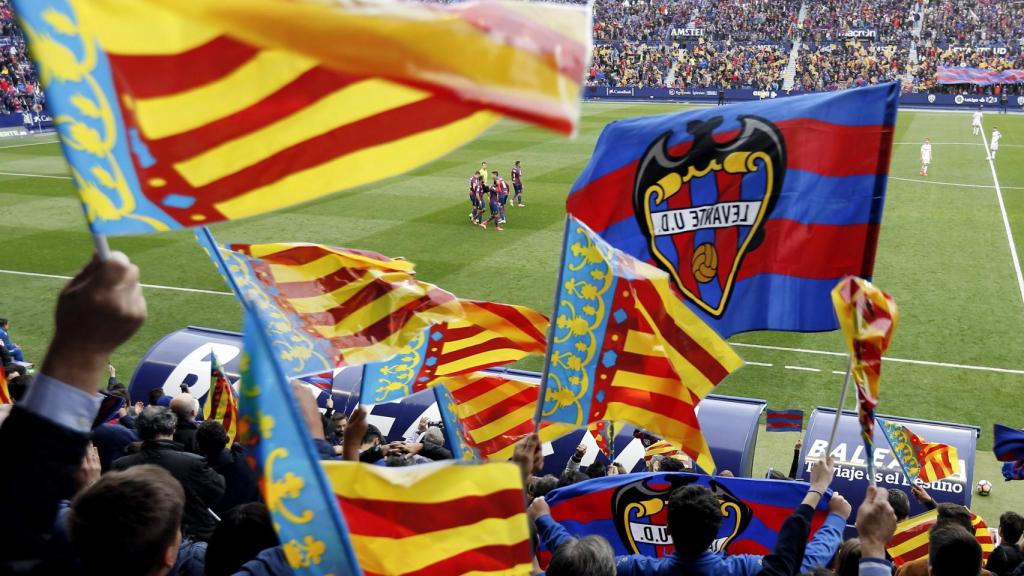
<point x="994" y="144"/>
<point x="976" y="122"/>
<point x="926" y="156"/>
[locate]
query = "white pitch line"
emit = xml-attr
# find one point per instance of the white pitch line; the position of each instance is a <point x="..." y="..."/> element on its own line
<point x="802" y="368"/>
<point x="34" y="175"/>
<point x="885" y="359"/>
<point x="154" y="286"/>
<point x="940" y="183"/>
<point x="766" y="365"/>
<point x="953" y="144"/>
<point x="933" y="182"/>
<point x="1006" y="219"/>
<point x="31" y="144"/>
<point x="840" y="372"/>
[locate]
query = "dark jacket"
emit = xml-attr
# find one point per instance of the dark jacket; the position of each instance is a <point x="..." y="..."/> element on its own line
<point x="41" y="459"/>
<point x="110" y="441"/>
<point x="185" y="434"/>
<point x="203" y="487"/>
<point x="240" y="481"/>
<point x="1004" y="559"/>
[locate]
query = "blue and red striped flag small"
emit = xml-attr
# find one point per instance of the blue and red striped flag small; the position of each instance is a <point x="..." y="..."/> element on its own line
<point x="785" y="421"/>
<point x="1008" y="443"/>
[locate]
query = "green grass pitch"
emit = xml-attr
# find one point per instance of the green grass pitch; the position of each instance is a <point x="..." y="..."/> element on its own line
<point x="944" y="255"/>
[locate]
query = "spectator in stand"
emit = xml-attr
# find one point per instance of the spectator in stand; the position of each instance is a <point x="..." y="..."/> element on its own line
<point x="1007" y="556"/>
<point x="245" y="536"/>
<point x="186" y="408"/>
<point x="241" y="484"/>
<point x="588" y="556"/>
<point x="5" y="341"/>
<point x="130" y="519"/>
<point x="47" y="433"/>
<point x="203" y="486"/>
<point x="900" y="504"/>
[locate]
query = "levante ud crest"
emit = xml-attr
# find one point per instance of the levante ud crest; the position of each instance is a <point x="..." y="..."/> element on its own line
<point x="640" y="510"/>
<point x="704" y="211"/>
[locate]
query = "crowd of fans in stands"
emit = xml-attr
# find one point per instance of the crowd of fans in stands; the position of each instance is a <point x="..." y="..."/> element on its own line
<point x="152" y="491"/>
<point x="848" y="65"/>
<point x="981" y="23"/>
<point x="19" y="86"/>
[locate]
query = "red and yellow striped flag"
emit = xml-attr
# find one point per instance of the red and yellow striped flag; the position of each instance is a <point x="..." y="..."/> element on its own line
<point x="331" y="307"/>
<point x="937" y="461"/>
<point x="489" y="334"/>
<point x="5" y="394"/>
<point x="910" y="541"/>
<point x="627" y="349"/>
<point x="496" y="412"/>
<point x="435" y="519"/>
<point x="221" y="403"/>
<point x="868" y="318"/>
<point x="177" y="113"/>
<point x="663" y="448"/>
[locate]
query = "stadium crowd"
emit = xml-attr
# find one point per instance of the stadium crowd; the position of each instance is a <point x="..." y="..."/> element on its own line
<point x="153" y="491"/>
<point x="19" y="86"/>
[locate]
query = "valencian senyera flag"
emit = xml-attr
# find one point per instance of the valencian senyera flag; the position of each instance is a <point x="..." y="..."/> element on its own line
<point x="868" y="318"/>
<point x="625" y="347"/>
<point x="754" y="209"/>
<point x="177" y="113"/>
<point x="313" y="533"/>
<point x="440" y="519"/>
<point x="488" y="335"/>
<point x="493" y="413"/>
<point x="328" y="307"/>
<point x="919" y="459"/>
<point x="631" y="511"/>
<point x="221" y="404"/>
<point x="910" y="541"/>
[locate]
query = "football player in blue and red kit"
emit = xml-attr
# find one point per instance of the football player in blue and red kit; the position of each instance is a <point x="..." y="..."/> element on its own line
<point x="494" y="193"/>
<point x="517" y="184"/>
<point x="476" y="198"/>
<point x="502" y="187"/>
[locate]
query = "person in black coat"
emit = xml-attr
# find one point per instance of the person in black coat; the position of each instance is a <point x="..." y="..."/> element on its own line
<point x="46" y="435"/>
<point x="203" y="486"/>
<point x="240" y="481"/>
<point x="186" y="408"/>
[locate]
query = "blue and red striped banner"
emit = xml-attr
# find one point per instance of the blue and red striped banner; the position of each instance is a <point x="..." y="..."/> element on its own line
<point x="785" y="421"/>
<point x="977" y="76"/>
<point x="756" y="209"/>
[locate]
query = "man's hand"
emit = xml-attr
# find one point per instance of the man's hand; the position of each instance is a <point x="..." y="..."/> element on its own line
<point x="581" y="451"/>
<point x="355" y="430"/>
<point x="821" y="474"/>
<point x="876" y="523"/>
<point x="307" y="407"/>
<point x="539" y="507"/>
<point x="422" y="427"/>
<point x="97" y="311"/>
<point x="330" y="401"/>
<point x="89" y="472"/>
<point x="138" y="408"/>
<point x="410" y="448"/>
<point x="839" y="506"/>
<point x="529" y="455"/>
<point x="921" y="495"/>
<point x="798" y="446"/>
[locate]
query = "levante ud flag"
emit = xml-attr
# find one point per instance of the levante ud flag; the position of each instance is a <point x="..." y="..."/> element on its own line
<point x="755" y="210"/>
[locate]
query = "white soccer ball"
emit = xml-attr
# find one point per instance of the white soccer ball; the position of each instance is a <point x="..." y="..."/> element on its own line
<point x="984" y="488"/>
